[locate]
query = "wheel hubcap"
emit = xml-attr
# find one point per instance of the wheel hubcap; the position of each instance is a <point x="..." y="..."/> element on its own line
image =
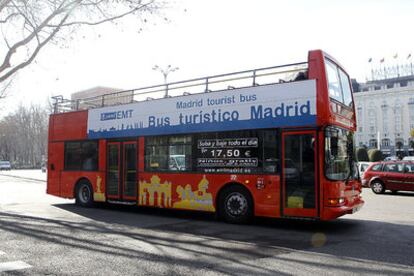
<point x="377" y="187"/>
<point x="85" y="194"/>
<point x="236" y="204"/>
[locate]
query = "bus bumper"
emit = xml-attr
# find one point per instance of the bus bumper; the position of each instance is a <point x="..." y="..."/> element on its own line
<point x="331" y="213"/>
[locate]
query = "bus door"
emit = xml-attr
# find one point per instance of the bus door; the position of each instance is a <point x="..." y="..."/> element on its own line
<point x="299" y="174"/>
<point x="121" y="168"/>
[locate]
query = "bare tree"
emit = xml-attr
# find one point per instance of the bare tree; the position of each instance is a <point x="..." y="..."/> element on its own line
<point x="23" y="136"/>
<point x="28" y="25"/>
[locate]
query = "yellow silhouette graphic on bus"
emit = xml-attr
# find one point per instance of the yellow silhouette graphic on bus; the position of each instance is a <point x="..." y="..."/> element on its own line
<point x="99" y="195"/>
<point x="197" y="200"/>
<point x="155" y="193"/>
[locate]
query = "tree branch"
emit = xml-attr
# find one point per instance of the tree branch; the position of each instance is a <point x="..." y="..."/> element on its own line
<point x="13" y="49"/>
<point x="4" y="4"/>
<point x="39" y="22"/>
<point x="113" y="18"/>
<point x="35" y="52"/>
<point x="2" y="21"/>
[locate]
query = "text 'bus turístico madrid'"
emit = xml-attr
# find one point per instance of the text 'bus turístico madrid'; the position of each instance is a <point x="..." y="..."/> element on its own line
<point x="273" y="142"/>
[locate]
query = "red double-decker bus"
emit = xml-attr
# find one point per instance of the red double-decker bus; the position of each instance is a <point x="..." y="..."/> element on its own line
<point x="274" y="142"/>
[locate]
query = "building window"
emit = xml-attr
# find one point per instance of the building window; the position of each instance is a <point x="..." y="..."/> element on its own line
<point x="398" y="111"/>
<point x="403" y="83"/>
<point x="359" y="113"/>
<point x="385" y="142"/>
<point x="372" y="118"/>
<point x="399" y="143"/>
<point x="377" y="87"/>
<point x="390" y="85"/>
<point x="81" y="156"/>
<point x="384" y="109"/>
<point x="373" y="143"/>
<point x="411" y="112"/>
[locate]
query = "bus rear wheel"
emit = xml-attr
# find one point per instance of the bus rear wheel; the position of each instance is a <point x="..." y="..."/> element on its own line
<point x="235" y="205"/>
<point x="84" y="194"/>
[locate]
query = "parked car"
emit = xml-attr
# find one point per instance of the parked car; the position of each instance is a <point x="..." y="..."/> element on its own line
<point x="390" y="175"/>
<point x="5" y="165"/>
<point x="391" y="158"/>
<point x="408" y="158"/>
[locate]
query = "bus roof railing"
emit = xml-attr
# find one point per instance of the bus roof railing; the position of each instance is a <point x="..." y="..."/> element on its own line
<point x="241" y="79"/>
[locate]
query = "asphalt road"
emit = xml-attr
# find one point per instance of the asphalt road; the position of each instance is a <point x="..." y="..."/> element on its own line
<point x="45" y="235"/>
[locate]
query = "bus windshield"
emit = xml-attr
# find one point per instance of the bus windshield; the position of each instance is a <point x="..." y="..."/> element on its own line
<point x="338" y="151"/>
<point x="338" y="84"/>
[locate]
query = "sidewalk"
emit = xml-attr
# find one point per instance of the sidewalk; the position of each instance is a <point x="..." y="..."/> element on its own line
<point x="27" y="174"/>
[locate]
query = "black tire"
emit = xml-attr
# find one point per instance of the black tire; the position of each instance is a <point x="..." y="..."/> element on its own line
<point x="84" y="193"/>
<point x="235" y="205"/>
<point x="377" y="187"/>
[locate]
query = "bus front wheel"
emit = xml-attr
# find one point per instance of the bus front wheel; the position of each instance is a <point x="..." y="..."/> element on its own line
<point x="235" y="205"/>
<point x="84" y="194"/>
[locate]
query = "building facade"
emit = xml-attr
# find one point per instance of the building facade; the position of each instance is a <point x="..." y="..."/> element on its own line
<point x="385" y="115"/>
<point x="100" y="96"/>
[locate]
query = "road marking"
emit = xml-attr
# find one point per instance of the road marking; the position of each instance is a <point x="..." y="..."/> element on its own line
<point x="9" y="266"/>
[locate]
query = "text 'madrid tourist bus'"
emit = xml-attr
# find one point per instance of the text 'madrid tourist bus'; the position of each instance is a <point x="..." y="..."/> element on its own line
<point x="273" y="142"/>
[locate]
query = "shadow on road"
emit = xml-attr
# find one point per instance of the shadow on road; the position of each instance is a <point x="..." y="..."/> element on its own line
<point x="199" y="234"/>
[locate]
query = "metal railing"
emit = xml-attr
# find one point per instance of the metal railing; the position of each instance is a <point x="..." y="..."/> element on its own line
<point x="241" y="79"/>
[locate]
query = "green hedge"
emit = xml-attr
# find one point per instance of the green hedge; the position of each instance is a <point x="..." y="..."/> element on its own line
<point x="362" y="154"/>
<point x="375" y="155"/>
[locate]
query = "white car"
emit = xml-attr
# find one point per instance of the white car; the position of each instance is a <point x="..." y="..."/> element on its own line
<point x="362" y="167"/>
<point x="5" y="165"/>
<point x="408" y="158"/>
<point x="391" y="158"/>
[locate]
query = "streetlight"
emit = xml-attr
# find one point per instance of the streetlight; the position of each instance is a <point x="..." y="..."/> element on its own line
<point x="165" y="73"/>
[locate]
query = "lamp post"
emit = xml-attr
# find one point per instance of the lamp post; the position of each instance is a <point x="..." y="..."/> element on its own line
<point x="165" y="73"/>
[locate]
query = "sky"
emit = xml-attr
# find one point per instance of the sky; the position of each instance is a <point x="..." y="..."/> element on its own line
<point x="209" y="37"/>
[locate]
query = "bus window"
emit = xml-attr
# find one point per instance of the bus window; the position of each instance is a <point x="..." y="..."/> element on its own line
<point x="337" y="153"/>
<point x="81" y="156"/>
<point x="338" y="84"/>
<point x="156" y="153"/>
<point x="168" y="153"/>
<point x="180" y="153"/>
<point x="270" y="151"/>
<point x="334" y="87"/>
<point x="346" y="88"/>
<point x="247" y="151"/>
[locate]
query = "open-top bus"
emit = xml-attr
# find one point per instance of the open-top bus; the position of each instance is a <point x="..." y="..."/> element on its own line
<point x="274" y="142"/>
